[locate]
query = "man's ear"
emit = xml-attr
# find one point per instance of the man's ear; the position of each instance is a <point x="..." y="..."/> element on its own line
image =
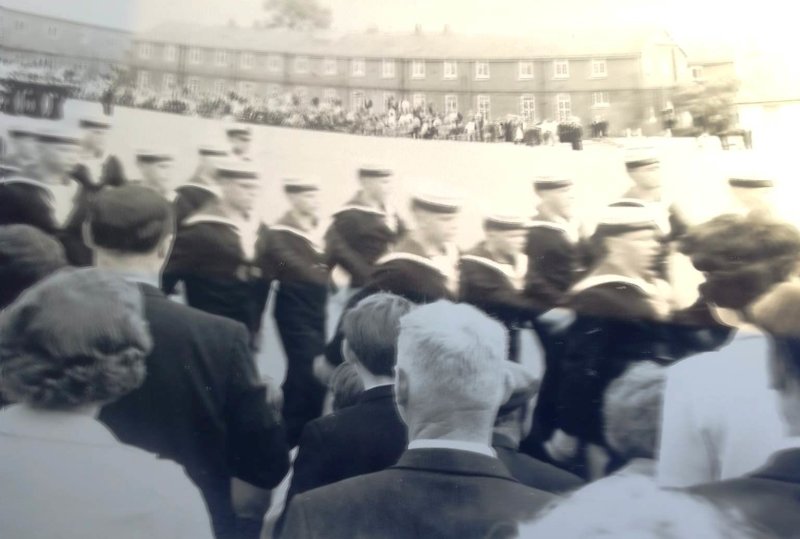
<point x="86" y="233"/>
<point x="165" y="245"/>
<point x="347" y="352"/>
<point x="401" y="387"/>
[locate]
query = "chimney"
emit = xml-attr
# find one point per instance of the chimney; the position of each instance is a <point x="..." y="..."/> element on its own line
<point x="418" y="29"/>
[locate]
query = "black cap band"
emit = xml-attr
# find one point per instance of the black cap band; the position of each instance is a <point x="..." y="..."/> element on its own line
<point x="434" y="207"/>
<point x="545" y="186"/>
<point x="294" y="189"/>
<point x="148" y="158"/>
<point x="503" y="226"/>
<point x="210" y="152"/>
<point x="225" y="174"/>
<point x="91" y="124"/>
<point x="57" y="139"/>
<point x="750" y="183"/>
<point x="641" y="163"/>
<point x="374" y="172"/>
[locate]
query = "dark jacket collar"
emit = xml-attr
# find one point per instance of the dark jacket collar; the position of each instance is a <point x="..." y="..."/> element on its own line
<point x="377" y="393"/>
<point x="782" y="466"/>
<point x="503" y="441"/>
<point x="150" y="291"/>
<point x="453" y="461"/>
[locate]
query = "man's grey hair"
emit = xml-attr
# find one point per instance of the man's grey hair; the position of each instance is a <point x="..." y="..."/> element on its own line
<point x="453" y="354"/>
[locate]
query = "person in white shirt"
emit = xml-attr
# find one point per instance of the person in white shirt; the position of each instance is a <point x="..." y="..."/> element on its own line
<point x="64" y="473"/>
<point x="720" y="418"/>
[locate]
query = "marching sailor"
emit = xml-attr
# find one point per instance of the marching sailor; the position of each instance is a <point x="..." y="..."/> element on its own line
<point x="201" y="187"/>
<point x="97" y="167"/>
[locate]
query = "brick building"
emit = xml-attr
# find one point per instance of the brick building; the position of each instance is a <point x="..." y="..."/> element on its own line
<point x="58" y="42"/>
<point x="624" y="77"/>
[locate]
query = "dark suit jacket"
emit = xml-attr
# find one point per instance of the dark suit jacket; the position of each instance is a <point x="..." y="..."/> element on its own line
<point x="769" y="498"/>
<point x="554" y="263"/>
<point x="531" y="472"/>
<point x="202" y="405"/>
<point x="26" y="202"/>
<point x="430" y="493"/>
<point x="360" y="439"/>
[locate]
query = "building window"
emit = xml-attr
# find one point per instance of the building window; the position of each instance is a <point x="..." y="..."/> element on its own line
<point x="525" y="70"/>
<point x="482" y="70"/>
<point x="388" y="97"/>
<point x="450" y="104"/>
<point x="301" y="64"/>
<point x="600" y="99"/>
<point x="484" y="106"/>
<point x="387" y="69"/>
<point x="195" y="55"/>
<point x="168" y="82"/>
<point x="170" y="53"/>
<point x="144" y="50"/>
<point x="143" y="80"/>
<point x="563" y="107"/>
<point x="221" y="58"/>
<point x="52" y="32"/>
<point x="417" y="69"/>
<point x="357" y="67"/>
<point x="561" y="69"/>
<point x="330" y="95"/>
<point x="527" y="108"/>
<point x="329" y="66"/>
<point x="247" y="60"/>
<point x="418" y="101"/>
<point x="193" y="85"/>
<point x="274" y="63"/>
<point x="599" y="69"/>
<point x="357" y="100"/>
<point x="697" y="72"/>
<point x="450" y="70"/>
<point x="220" y="86"/>
<point x="19" y="25"/>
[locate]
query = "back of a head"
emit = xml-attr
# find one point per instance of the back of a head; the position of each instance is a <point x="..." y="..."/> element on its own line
<point x="130" y="219"/>
<point x="634" y="506"/>
<point x="78" y="337"/>
<point x="453" y="355"/>
<point x="371" y="329"/>
<point x="27" y="255"/>
<point x="742" y="257"/>
<point x="346" y="386"/>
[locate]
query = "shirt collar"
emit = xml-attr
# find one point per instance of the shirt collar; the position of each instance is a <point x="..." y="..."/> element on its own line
<point x="140" y="278"/>
<point x="789" y="442"/>
<point x="473" y="447"/>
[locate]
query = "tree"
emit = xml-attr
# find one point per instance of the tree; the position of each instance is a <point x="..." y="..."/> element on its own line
<point x="711" y="104"/>
<point x="297" y="14"/>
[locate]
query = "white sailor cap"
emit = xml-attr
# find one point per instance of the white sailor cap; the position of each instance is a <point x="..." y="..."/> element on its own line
<point x="17" y="131"/>
<point x="94" y="122"/>
<point x="544" y="183"/>
<point x="750" y="180"/>
<point x="235" y="169"/>
<point x="239" y="130"/>
<point x="300" y="185"/>
<point x="626" y="216"/>
<point x="505" y="221"/>
<point x="59" y="136"/>
<point x="373" y="170"/>
<point x="640" y="156"/>
<point x="436" y="198"/>
<point x="149" y="156"/>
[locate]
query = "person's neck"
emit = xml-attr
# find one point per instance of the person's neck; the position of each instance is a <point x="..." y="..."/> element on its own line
<point x="429" y="246"/>
<point x="548" y="214"/>
<point x="372" y="201"/>
<point x="467" y="427"/>
<point x="53" y="177"/>
<point x="650" y="194"/>
<point x="307" y="222"/>
<point x="497" y="254"/>
<point x="223" y="209"/>
<point x="613" y="267"/>
<point x="138" y="268"/>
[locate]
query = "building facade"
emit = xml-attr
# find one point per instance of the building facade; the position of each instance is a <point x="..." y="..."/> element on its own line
<point x="626" y="82"/>
<point x="55" y="42"/>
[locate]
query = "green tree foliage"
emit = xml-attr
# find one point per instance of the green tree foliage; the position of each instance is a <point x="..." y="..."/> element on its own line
<point x="711" y="104"/>
<point x="297" y="14"/>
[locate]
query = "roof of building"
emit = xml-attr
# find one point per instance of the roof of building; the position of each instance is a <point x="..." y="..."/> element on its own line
<point x="113" y="17"/>
<point x="550" y="43"/>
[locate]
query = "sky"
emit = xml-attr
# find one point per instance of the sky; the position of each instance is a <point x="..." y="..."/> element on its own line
<point x="767" y="25"/>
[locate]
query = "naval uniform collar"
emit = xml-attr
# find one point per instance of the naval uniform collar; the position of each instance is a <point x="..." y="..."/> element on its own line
<point x="648" y="289"/>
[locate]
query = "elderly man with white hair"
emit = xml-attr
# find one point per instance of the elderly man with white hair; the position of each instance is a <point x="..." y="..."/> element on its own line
<point x="451" y="378"/>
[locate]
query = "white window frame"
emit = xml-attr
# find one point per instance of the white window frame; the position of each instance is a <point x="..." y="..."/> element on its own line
<point x="168" y="82"/>
<point x="52" y="31"/>
<point x="143" y="80"/>
<point x="220" y="86"/>
<point x="449" y="70"/>
<point x="358" y="67"/>
<point x="418" y="100"/>
<point x="195" y="55"/>
<point x="560" y="69"/>
<point x="358" y="98"/>
<point x="247" y="60"/>
<point x="329" y="66"/>
<point x="20" y="25"/>
<point x="482" y="71"/>
<point x="274" y="63"/>
<point x="193" y="85"/>
<point x="170" y="53"/>
<point x="600" y="100"/>
<point x="450" y="103"/>
<point x="596" y="72"/>
<point x="145" y="51"/>
<point x="417" y="69"/>
<point x="220" y="57"/>
<point x="567" y="112"/>
<point x="527" y="112"/>
<point x="484" y="106"/>
<point x="387" y="68"/>
<point x="301" y="65"/>
<point x="525" y="70"/>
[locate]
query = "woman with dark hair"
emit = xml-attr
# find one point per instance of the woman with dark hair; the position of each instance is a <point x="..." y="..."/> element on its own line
<point x="27" y="255"/>
<point x="68" y="345"/>
<point x="720" y="420"/>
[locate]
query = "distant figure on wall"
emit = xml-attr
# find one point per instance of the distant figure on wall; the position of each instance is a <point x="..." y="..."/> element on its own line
<point x="107" y="99"/>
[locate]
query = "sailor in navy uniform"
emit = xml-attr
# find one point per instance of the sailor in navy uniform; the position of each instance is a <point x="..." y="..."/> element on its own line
<point x="492" y="276"/>
<point x="557" y="254"/>
<point x="214" y="252"/>
<point x="25" y="153"/>
<point x="289" y="254"/>
<point x="97" y="167"/>
<point x="201" y="188"/>
<point x="423" y="266"/>
<point x="239" y="138"/>
<point x="155" y="169"/>
<point x="365" y="228"/>
<point x="621" y="309"/>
